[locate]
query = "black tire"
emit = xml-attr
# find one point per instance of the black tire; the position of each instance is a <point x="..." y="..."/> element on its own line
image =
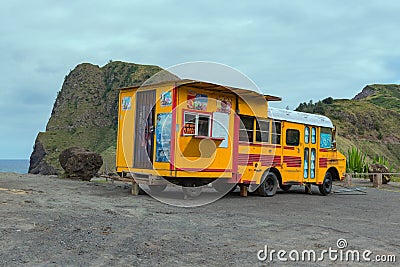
<point x="269" y="185"/>
<point x="157" y="188"/>
<point x="326" y="187"/>
<point x="285" y="187"/>
<point x="192" y="191"/>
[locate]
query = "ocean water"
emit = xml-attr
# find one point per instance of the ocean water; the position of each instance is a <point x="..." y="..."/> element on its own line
<point x="14" y="165"/>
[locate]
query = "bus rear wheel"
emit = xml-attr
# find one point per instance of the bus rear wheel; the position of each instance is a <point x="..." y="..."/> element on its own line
<point x="326" y="187"/>
<point x="269" y="185"/>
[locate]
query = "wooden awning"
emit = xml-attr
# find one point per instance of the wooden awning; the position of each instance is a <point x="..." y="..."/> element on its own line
<point x="209" y="86"/>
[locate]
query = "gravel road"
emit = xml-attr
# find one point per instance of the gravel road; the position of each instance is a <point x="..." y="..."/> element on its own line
<point x="48" y="221"/>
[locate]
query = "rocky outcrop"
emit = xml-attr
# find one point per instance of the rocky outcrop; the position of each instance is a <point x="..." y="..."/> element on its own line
<point x="85" y="112"/>
<point x="37" y="164"/>
<point x="366" y="92"/>
<point x="80" y="163"/>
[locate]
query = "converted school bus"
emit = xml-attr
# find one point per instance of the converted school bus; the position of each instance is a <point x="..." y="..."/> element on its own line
<point x="193" y="133"/>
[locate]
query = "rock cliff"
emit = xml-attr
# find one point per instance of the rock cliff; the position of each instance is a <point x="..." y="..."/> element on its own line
<point x="85" y="113"/>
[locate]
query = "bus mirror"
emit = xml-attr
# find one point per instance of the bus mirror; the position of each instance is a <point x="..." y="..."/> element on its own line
<point x="334" y="144"/>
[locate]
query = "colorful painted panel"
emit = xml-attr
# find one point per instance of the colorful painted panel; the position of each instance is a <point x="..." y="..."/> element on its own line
<point x="197" y="101"/>
<point x="224" y="105"/>
<point x="126" y="103"/>
<point x="163" y="137"/>
<point x="166" y="99"/>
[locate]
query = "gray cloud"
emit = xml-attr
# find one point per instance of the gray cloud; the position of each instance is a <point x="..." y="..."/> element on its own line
<point x="299" y="50"/>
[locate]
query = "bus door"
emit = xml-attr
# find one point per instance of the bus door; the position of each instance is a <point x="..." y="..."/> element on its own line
<point x="309" y="154"/>
<point x="292" y="155"/>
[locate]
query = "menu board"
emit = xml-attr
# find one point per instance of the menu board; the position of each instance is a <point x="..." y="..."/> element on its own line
<point x="189" y="129"/>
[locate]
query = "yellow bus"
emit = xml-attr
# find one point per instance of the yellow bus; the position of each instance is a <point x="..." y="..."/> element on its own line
<point x="193" y="133"/>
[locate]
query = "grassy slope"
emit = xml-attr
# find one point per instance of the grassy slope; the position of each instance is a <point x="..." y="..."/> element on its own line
<point x="387" y="96"/>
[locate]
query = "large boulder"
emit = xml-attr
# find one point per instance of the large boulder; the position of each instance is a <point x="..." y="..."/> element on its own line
<point x="80" y="163"/>
<point x="379" y="168"/>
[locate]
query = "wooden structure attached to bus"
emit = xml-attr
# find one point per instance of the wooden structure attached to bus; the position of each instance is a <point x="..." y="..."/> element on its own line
<point x="192" y="133"/>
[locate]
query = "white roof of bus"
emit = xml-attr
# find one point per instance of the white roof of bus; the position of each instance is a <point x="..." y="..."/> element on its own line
<point x="299" y="117"/>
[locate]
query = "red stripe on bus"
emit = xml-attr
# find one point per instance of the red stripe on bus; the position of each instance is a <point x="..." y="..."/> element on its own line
<point x="292" y="161"/>
<point x="266" y="160"/>
<point x="323" y="162"/>
<point x="203" y="170"/>
<point x="244" y="143"/>
<point x="288" y="147"/>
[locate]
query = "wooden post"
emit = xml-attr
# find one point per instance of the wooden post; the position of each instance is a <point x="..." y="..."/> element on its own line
<point x="377" y="180"/>
<point x="347" y="179"/>
<point x="135" y="189"/>
<point x="243" y="191"/>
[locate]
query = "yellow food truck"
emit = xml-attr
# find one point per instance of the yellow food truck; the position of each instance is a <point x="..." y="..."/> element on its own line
<point x="193" y="133"/>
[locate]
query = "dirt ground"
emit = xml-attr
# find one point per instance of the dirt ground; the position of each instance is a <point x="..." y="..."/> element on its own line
<point x="47" y="221"/>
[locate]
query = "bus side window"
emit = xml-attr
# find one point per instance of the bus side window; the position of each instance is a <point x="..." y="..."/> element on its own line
<point x="276" y="132"/>
<point x="246" y="128"/>
<point x="313" y="135"/>
<point x="262" y="130"/>
<point x="307" y="135"/>
<point x="292" y="137"/>
<point x="306" y="151"/>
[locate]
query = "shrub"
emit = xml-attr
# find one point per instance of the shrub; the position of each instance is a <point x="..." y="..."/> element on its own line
<point x="356" y="161"/>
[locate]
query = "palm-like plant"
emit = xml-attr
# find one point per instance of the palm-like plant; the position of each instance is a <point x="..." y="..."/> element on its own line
<point x="356" y="161"/>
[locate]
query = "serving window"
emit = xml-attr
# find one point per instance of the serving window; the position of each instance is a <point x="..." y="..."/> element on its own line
<point x="196" y="124"/>
<point x="203" y="125"/>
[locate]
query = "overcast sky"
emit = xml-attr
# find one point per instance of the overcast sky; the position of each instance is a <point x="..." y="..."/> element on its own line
<point x="299" y="50"/>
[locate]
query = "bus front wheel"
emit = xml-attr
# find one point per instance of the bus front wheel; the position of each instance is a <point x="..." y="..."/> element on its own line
<point x="269" y="185"/>
<point x="326" y="187"/>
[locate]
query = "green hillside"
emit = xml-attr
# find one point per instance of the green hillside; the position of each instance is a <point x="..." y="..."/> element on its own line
<point x="383" y="95"/>
<point x="85" y="113"/>
<point x="370" y="121"/>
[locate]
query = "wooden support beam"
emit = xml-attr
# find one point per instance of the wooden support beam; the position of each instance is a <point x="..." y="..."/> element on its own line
<point x="347" y="179"/>
<point x="135" y="189"/>
<point x="377" y="180"/>
<point x="243" y="190"/>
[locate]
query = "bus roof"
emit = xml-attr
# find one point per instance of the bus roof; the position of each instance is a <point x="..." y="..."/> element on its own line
<point x="299" y="117"/>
